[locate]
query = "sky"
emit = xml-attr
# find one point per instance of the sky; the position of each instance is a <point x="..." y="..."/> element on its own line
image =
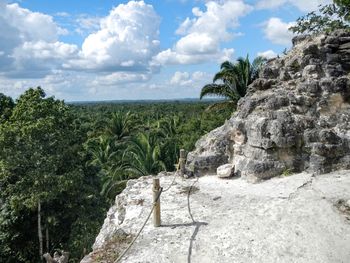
<point x="130" y="50"/>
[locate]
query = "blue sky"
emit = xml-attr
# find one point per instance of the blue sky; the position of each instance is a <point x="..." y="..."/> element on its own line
<point x="151" y="49"/>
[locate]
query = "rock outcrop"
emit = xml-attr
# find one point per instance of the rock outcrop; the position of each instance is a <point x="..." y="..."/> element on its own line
<point x="301" y="218"/>
<point x="295" y="116"/>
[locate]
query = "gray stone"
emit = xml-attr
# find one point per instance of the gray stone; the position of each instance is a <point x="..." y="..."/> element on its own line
<point x="225" y="171"/>
<point x="295" y="119"/>
<point x="291" y="218"/>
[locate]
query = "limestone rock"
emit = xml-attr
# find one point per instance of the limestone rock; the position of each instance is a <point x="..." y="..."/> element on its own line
<point x="225" y="171"/>
<point x="286" y="219"/>
<point x="295" y="116"/>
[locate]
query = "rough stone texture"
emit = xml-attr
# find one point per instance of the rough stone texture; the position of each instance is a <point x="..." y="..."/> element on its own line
<point x="300" y="218"/>
<point x="225" y="170"/>
<point x="295" y="117"/>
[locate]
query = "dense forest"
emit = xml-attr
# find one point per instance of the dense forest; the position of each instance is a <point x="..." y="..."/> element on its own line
<point x="61" y="165"/>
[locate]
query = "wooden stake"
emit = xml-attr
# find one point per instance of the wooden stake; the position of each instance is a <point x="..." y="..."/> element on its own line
<point x="182" y="161"/>
<point x="156" y="211"/>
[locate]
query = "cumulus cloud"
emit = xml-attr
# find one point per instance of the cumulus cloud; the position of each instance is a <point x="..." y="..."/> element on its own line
<point x="121" y="46"/>
<point x="268" y="54"/>
<point x="196" y="79"/>
<point x="202" y="35"/>
<point x="277" y="31"/>
<point x="302" y="5"/>
<point x="180" y="78"/>
<point x="127" y="40"/>
<point x="87" y="24"/>
<point x="28" y="40"/>
<point x="117" y="78"/>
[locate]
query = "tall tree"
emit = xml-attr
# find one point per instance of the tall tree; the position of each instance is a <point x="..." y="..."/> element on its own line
<point x="234" y="80"/>
<point x="6" y="106"/>
<point x="120" y="126"/>
<point x="41" y="169"/>
<point x="167" y="130"/>
<point x="107" y="155"/>
<point x="143" y="155"/>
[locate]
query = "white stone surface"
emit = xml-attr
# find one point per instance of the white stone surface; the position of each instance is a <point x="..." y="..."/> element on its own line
<point x="287" y="219"/>
<point x="225" y="171"/>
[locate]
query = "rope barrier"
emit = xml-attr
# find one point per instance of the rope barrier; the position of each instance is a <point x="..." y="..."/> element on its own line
<point x="171" y="184"/>
<point x="154" y="204"/>
<point x="143" y="226"/>
<point x="188" y="200"/>
<point x="175" y="175"/>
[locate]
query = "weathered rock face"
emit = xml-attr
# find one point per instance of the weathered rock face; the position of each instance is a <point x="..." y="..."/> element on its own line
<point x="295" y="117"/>
<point x="301" y="218"/>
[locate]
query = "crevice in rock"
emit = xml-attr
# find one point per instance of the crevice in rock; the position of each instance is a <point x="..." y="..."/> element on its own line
<point x="299" y="188"/>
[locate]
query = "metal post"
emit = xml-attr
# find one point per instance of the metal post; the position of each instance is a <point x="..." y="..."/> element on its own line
<point x="182" y="161"/>
<point x="156" y="211"/>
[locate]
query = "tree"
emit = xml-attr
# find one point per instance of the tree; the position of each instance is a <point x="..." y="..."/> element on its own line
<point x="143" y="155"/>
<point x="6" y="106"/>
<point x="167" y="130"/>
<point x="330" y="17"/>
<point x="108" y="158"/>
<point x="235" y="79"/>
<point x="120" y="126"/>
<point x="44" y="185"/>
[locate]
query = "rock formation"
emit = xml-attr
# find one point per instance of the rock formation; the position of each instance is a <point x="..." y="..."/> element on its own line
<point x="301" y="218"/>
<point x="295" y="116"/>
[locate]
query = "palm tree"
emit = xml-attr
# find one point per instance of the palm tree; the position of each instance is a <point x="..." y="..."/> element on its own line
<point x="235" y="79"/>
<point x="120" y="126"/>
<point x="105" y="156"/>
<point x="143" y="155"/>
<point x="101" y="151"/>
<point x="167" y="130"/>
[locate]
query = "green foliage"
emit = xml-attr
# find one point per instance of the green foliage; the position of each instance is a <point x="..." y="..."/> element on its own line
<point x="329" y="17"/>
<point x="235" y="79"/>
<point x="143" y="155"/>
<point x="6" y="106"/>
<point x="74" y="159"/>
<point x="41" y="161"/>
<point x="287" y="172"/>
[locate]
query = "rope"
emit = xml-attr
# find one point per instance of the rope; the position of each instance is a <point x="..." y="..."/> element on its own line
<point x="188" y="200"/>
<point x="154" y="203"/>
<point x="143" y="226"/>
<point x="176" y="173"/>
<point x="172" y="182"/>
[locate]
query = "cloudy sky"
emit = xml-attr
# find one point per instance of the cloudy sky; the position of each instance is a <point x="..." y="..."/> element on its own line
<point x="151" y="49"/>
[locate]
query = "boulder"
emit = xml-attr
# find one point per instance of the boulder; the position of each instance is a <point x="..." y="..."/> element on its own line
<point x="225" y="171"/>
<point x="295" y="116"/>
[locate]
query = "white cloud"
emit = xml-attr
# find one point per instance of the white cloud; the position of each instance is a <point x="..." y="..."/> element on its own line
<point x="28" y="40"/>
<point x="127" y="40"/>
<point x="124" y="42"/>
<point x="196" y="79"/>
<point x="203" y="34"/>
<point x="62" y="14"/>
<point x="277" y="31"/>
<point x="31" y="25"/>
<point x="180" y="78"/>
<point x="302" y="5"/>
<point x="267" y="54"/>
<point x="120" y="78"/>
<point x="87" y="24"/>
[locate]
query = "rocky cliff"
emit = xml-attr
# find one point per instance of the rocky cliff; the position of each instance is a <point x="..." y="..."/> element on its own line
<point x="301" y="218"/>
<point x="295" y="116"/>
